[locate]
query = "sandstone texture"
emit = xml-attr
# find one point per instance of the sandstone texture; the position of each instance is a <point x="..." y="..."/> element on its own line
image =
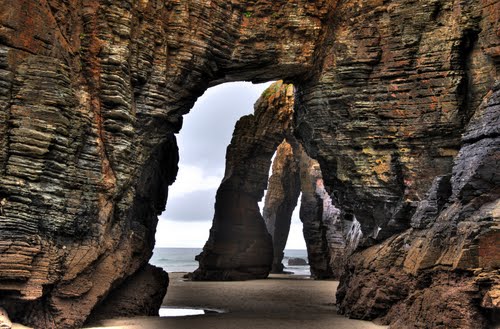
<point x="283" y="192"/>
<point x="91" y="94"/>
<point x="398" y="101"/>
<point x="140" y="295"/>
<point x="239" y="246"/>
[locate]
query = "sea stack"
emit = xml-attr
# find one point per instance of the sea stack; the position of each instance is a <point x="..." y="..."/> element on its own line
<point x="397" y="101"/>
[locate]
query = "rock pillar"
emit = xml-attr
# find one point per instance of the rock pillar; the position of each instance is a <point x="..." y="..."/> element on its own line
<point x="281" y="199"/>
<point x="239" y="246"/>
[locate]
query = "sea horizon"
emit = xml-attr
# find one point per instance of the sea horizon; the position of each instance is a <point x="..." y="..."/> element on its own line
<point x="181" y="259"/>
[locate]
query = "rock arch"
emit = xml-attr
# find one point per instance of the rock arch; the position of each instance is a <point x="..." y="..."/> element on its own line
<point x="240" y="246"/>
<point x="92" y="92"/>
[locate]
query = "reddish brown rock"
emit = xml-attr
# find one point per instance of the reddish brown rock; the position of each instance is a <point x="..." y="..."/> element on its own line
<point x="281" y="199"/>
<point x="447" y="275"/>
<point x="239" y="246"/>
<point x="92" y="92"/>
<point x="140" y="294"/>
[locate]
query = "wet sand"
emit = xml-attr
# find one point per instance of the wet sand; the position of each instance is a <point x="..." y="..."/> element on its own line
<point x="279" y="302"/>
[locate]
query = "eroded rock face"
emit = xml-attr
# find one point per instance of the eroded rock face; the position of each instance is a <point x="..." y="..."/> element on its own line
<point x="92" y="91"/>
<point x="91" y="94"/>
<point x="281" y="198"/>
<point x="447" y="275"/>
<point x="396" y="100"/>
<point x="239" y="246"/>
<point x="141" y="294"/>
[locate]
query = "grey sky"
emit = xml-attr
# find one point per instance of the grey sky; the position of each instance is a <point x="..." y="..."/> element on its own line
<point x="202" y="144"/>
<point x="209" y="126"/>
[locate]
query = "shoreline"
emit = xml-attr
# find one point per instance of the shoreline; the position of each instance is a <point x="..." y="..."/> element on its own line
<point x="280" y="301"/>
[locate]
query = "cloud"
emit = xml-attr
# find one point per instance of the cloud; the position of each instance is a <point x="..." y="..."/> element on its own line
<point x="208" y="128"/>
<point x="191" y="207"/>
<point x="192" y="178"/>
<point x="172" y="234"/>
<point x="203" y="140"/>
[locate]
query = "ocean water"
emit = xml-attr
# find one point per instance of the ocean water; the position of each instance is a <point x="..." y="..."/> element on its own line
<point x="182" y="260"/>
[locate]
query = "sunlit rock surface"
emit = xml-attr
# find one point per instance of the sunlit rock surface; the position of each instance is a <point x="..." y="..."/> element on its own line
<point x="390" y="96"/>
<point x="282" y="194"/>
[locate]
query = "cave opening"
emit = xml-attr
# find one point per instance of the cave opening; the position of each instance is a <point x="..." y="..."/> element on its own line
<point x="207" y="129"/>
<point x="271" y="168"/>
<point x="183" y="226"/>
<point x="270" y="186"/>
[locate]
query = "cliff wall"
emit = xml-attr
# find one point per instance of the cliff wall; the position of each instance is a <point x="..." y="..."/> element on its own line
<point x="390" y="96"/>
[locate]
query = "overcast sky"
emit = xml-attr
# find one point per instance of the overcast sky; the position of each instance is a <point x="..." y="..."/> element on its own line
<point x="202" y="143"/>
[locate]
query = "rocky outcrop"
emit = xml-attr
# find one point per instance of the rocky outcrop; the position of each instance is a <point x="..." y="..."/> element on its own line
<point x="395" y="101"/>
<point x="323" y="229"/>
<point x="239" y="246"/>
<point x="141" y="294"/>
<point x="281" y="198"/>
<point x="294" y="172"/>
<point x="92" y="92"/>
<point x="448" y="274"/>
<point x="297" y="262"/>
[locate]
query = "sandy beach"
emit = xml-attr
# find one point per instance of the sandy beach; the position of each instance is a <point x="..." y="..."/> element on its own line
<point x="280" y="301"/>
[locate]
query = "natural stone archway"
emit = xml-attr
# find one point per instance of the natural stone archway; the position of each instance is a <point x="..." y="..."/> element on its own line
<point x="239" y="246"/>
<point x="91" y="93"/>
<point x="321" y="221"/>
<point x="324" y="231"/>
<point x="281" y="199"/>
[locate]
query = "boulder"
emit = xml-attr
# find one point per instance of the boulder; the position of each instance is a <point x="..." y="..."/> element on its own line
<point x="295" y="261"/>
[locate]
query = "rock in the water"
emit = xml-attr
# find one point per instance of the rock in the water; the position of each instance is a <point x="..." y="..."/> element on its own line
<point x="296" y="261"/>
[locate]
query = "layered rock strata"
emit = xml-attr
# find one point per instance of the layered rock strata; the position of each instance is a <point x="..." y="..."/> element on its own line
<point x="323" y="228"/>
<point x="444" y="271"/>
<point x="92" y="92"/>
<point x="389" y="114"/>
<point x="239" y="246"/>
<point x="283" y="191"/>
